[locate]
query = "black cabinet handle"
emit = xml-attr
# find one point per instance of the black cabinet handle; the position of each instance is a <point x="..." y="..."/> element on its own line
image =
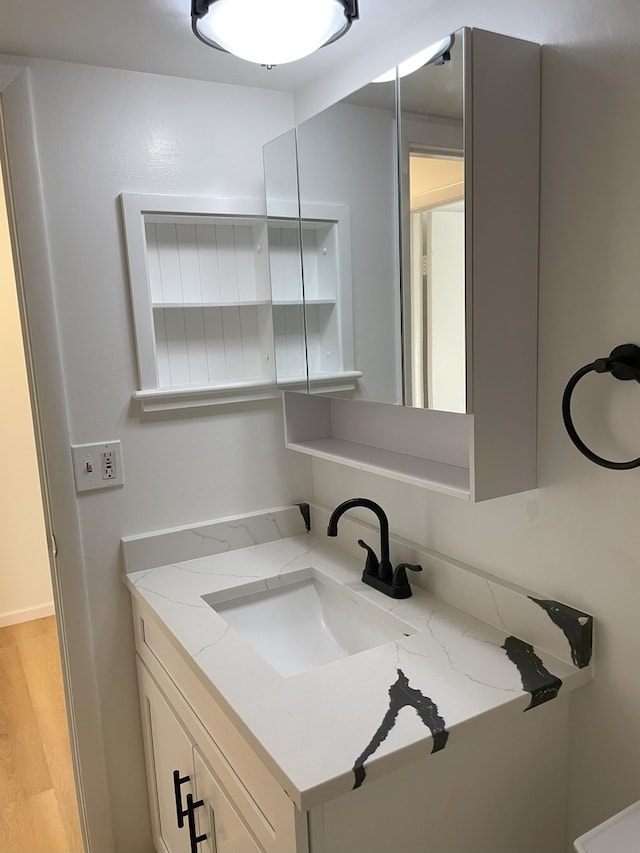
<point x="191" y="808"/>
<point x="178" y="781"/>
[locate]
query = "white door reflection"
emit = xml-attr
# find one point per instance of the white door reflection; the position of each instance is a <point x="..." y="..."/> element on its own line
<point x="438" y="360"/>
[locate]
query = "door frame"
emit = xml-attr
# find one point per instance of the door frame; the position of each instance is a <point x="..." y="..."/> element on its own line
<point x="36" y="300"/>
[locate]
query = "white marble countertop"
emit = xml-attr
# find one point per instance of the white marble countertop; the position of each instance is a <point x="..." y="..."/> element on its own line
<point x="323" y="732"/>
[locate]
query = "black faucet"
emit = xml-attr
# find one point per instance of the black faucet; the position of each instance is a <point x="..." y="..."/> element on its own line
<point x="377" y="573"/>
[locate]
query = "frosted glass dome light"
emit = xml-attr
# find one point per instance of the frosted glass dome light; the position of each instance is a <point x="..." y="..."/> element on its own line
<point x="271" y="32"/>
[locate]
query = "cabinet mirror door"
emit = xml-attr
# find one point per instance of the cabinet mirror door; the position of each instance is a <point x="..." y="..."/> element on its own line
<point x="380" y="185"/>
<point x="285" y="261"/>
<point x="432" y="191"/>
<point x="347" y="157"/>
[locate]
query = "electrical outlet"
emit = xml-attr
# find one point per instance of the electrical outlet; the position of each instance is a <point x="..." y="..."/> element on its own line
<point x="97" y="466"/>
<point x="108" y="465"/>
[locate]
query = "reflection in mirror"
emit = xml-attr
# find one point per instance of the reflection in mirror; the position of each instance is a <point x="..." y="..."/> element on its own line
<point x="285" y="260"/>
<point x="347" y="162"/>
<point x="433" y="221"/>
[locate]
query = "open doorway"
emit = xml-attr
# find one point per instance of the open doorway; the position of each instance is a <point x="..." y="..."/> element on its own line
<point x="436" y="295"/>
<point x="38" y="804"/>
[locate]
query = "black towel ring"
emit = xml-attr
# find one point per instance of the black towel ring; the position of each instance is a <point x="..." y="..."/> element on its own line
<point x="623" y="363"/>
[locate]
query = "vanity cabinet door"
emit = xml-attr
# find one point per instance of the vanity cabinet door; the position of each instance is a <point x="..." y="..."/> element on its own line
<point x="176" y="771"/>
<point x="216" y="818"/>
<point x="169" y="752"/>
<point x="244" y="810"/>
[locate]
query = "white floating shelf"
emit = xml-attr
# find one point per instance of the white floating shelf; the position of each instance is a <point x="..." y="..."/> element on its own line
<point x="186" y="397"/>
<point x="440" y="477"/>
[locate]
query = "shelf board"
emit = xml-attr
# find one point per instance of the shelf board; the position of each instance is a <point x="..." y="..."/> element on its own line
<point x="189" y="396"/>
<point x="438" y="476"/>
<point x="239" y="304"/>
<point x="253" y="388"/>
<point x="323" y="382"/>
<point x="286" y="303"/>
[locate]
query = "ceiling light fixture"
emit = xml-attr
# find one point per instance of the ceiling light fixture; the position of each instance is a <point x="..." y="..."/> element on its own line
<point x="435" y="54"/>
<point x="271" y="32"/>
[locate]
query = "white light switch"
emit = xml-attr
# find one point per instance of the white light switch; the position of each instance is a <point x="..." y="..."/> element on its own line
<point x="97" y="466"/>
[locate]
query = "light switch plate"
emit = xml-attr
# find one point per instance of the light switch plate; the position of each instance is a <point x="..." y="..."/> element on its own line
<point x="97" y="466"/>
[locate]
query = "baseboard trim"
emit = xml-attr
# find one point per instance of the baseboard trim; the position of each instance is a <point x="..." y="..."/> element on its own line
<point x="16" y="616"/>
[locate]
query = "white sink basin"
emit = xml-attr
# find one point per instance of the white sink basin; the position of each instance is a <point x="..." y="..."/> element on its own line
<point x="308" y="620"/>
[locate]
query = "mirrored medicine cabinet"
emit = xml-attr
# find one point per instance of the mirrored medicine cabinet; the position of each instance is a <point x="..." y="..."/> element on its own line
<point x="411" y="270"/>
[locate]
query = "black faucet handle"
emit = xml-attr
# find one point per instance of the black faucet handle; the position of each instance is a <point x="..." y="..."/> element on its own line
<point x="372" y="565"/>
<point x="400" y="574"/>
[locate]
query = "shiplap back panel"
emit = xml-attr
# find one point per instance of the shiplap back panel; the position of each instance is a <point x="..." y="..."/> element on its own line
<point x="212" y="345"/>
<point x="177" y="347"/>
<point x="323" y="339"/>
<point x="199" y="263"/>
<point x="204" y="287"/>
<point x="188" y="263"/>
<point x="320" y="261"/>
<point x="242" y="249"/>
<point x="288" y="331"/>
<point x="214" y="336"/>
<point x="285" y="268"/>
<point x="208" y="258"/>
<point x="285" y="264"/>
<point x="306" y="338"/>
<point x="232" y="337"/>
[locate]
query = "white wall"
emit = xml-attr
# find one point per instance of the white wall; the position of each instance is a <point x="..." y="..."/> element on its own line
<point x="101" y="132"/>
<point x="25" y="578"/>
<point x="575" y="537"/>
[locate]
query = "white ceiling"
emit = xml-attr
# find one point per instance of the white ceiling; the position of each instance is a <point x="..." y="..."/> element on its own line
<point x="155" y="36"/>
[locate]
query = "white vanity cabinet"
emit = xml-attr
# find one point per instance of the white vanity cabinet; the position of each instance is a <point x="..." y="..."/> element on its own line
<point x="191" y="747"/>
<point x="442" y="730"/>
<point x="496" y="789"/>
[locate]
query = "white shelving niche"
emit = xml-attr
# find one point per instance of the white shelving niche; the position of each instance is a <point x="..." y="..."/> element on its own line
<point x="207" y="327"/>
<point x="199" y="275"/>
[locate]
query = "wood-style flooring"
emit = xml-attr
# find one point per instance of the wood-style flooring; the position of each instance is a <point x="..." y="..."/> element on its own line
<point x="38" y="807"/>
